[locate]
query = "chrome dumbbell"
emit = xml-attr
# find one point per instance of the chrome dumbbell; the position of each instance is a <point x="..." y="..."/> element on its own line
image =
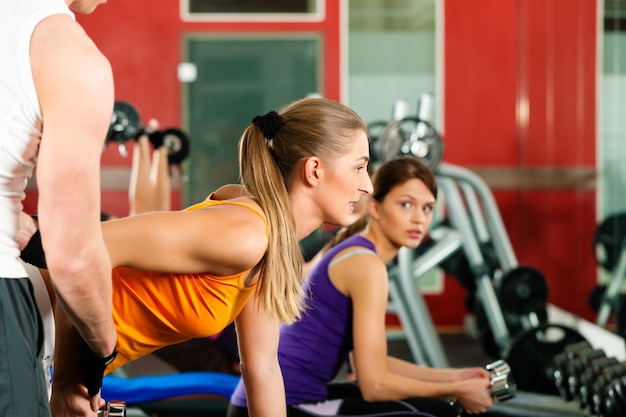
<point x="503" y="385"/>
<point x="113" y="409"/>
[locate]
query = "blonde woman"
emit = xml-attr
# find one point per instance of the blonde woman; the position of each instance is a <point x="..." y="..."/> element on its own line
<point x="235" y="256"/>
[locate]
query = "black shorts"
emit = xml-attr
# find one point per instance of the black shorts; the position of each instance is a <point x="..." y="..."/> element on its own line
<point x="22" y="383"/>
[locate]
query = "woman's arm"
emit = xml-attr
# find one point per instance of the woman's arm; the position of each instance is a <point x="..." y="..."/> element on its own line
<point x="258" y="350"/>
<point x="364" y="279"/>
<point x="222" y="240"/>
<point x="426" y="373"/>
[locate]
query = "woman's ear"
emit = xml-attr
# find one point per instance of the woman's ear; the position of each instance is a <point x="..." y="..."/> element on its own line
<point x="373" y="208"/>
<point x="312" y="171"/>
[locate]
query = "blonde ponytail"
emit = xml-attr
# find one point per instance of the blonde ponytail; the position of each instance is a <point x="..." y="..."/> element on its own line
<point x="269" y="150"/>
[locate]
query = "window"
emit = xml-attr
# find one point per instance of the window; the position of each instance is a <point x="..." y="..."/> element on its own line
<point x="252" y="10"/>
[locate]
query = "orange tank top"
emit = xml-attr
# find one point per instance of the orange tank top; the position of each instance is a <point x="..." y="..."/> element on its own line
<point x="152" y="310"/>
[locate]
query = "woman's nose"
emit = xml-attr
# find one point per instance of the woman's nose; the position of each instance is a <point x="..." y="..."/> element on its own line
<point x="366" y="186"/>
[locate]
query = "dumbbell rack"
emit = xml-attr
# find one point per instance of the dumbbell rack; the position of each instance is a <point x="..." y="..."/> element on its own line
<point x="596" y="382"/>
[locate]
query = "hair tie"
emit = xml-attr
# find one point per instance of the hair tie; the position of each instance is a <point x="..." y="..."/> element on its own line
<point x="268" y="124"/>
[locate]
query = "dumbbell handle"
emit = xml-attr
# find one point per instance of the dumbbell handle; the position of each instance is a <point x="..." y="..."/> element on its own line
<point x="502" y="387"/>
<point x="113" y="409"/>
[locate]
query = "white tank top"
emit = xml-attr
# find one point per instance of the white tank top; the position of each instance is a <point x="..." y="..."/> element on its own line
<point x="20" y="117"/>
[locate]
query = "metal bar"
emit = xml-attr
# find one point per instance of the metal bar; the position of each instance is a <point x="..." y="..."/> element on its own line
<point x="484" y="287"/>
<point x="499" y="236"/>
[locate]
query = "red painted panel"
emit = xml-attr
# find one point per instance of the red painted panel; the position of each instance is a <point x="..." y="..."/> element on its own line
<point x="116" y="202"/>
<point x="558" y="76"/>
<point x="498" y="57"/>
<point x="143" y="45"/>
<point x="30" y="202"/>
<point x="502" y="52"/>
<point x="552" y="231"/>
<point x="480" y="82"/>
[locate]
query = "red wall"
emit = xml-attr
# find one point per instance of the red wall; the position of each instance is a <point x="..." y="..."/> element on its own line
<point x="499" y="55"/>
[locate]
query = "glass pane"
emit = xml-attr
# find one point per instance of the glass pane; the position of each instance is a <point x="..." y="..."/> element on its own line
<point x="612" y="146"/>
<point x="237" y="80"/>
<point x="391" y="55"/>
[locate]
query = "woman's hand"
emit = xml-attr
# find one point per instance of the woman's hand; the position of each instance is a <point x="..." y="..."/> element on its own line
<point x="73" y="401"/>
<point x="474" y="395"/>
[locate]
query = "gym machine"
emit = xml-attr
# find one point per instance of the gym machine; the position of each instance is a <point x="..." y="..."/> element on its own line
<point x="509" y="300"/>
<point x="126" y="125"/>
<point x="609" y="247"/>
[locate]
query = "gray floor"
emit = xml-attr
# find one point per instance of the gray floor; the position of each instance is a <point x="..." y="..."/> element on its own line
<point x="461" y="350"/>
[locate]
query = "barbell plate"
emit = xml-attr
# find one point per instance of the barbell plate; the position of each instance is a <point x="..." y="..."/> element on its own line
<point x="531" y="354"/>
<point x="607" y="240"/>
<point x="522" y="290"/>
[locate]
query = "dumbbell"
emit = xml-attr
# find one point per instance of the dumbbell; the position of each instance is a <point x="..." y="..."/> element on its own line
<point x="502" y="386"/>
<point x="615" y="398"/>
<point x="126" y="125"/>
<point x="113" y="409"/>
<point x="560" y="363"/>
<point x="176" y="142"/>
<point x="602" y="383"/>
<point x="588" y="378"/>
<point x="577" y="366"/>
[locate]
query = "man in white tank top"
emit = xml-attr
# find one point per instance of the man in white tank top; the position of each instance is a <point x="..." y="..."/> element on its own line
<point x="56" y="101"/>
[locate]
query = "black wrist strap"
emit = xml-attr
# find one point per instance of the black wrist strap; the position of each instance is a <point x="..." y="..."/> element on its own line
<point x="107" y="361"/>
<point x="93" y="368"/>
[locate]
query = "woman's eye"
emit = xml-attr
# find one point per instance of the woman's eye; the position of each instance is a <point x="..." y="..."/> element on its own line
<point x="428" y="209"/>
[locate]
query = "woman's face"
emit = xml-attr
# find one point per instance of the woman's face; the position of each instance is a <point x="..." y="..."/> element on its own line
<point x="345" y="181"/>
<point x="405" y="213"/>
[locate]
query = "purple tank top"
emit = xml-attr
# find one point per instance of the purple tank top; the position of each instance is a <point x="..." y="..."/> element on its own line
<point x="312" y="350"/>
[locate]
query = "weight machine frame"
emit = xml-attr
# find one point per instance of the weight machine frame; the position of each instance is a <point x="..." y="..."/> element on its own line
<point x="610" y="302"/>
<point x="474" y="218"/>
